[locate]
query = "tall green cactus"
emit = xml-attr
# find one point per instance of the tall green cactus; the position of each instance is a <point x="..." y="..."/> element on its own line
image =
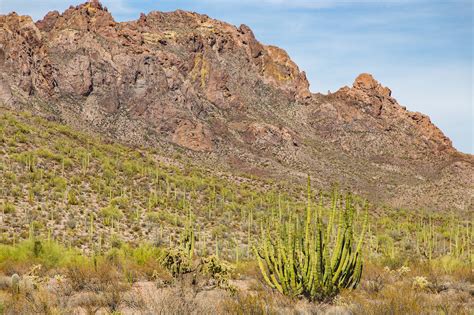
<point x="313" y="259"/>
<point x="188" y="239"/>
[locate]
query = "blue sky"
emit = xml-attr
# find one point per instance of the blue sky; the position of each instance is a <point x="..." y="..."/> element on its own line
<point x="421" y="49"/>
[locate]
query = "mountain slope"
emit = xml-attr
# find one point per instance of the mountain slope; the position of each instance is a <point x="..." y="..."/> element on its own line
<point x="183" y="80"/>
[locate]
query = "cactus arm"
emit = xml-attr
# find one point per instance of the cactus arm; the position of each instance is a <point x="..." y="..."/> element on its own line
<point x="277" y="285"/>
<point x="262" y="268"/>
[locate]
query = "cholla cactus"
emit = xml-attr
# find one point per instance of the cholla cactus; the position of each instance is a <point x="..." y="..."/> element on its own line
<point x="219" y="270"/>
<point x="179" y="261"/>
<point x="403" y="270"/>
<point x="420" y="282"/>
<point x="176" y="261"/>
<point x="59" y="278"/>
<point x="307" y="260"/>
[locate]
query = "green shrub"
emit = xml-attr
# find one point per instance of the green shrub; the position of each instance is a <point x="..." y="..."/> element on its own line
<point x="120" y="202"/>
<point x="8" y="208"/>
<point x="47" y="253"/>
<point x="111" y="213"/>
<point x="59" y="184"/>
<point x="72" y="197"/>
<point x="145" y="253"/>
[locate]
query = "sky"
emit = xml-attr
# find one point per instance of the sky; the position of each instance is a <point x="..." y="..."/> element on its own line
<point x="421" y="49"/>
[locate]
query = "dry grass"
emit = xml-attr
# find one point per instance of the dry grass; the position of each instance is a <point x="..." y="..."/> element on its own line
<point x="104" y="287"/>
<point x="400" y="292"/>
<point x="252" y="304"/>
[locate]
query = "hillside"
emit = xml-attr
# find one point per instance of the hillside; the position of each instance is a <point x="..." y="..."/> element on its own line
<point x="84" y="221"/>
<point x="183" y="82"/>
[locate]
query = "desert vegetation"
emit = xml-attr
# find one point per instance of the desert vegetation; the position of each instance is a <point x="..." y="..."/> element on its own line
<point x="298" y="259"/>
<point x="92" y="226"/>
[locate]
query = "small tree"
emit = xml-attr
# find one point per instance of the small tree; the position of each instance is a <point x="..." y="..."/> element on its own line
<point x="313" y="260"/>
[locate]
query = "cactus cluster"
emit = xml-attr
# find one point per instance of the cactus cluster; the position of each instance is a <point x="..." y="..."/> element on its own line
<point x="179" y="260"/>
<point x="314" y="260"/>
<point x="218" y="269"/>
<point x="176" y="262"/>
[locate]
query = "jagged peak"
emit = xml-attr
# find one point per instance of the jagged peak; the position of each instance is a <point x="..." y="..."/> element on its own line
<point x="16" y="18"/>
<point x="92" y="6"/>
<point x="91" y="14"/>
<point x="372" y="97"/>
<point x="95" y="4"/>
<point x="366" y="82"/>
<point x="20" y="24"/>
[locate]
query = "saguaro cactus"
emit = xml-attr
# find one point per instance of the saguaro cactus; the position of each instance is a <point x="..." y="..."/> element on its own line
<point x="312" y="259"/>
<point x="187" y="240"/>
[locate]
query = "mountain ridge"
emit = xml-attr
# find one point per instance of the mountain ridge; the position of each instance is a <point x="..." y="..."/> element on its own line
<point x="183" y="80"/>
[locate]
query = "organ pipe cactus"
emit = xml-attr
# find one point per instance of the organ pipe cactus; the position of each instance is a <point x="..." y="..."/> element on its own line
<point x="313" y="259"/>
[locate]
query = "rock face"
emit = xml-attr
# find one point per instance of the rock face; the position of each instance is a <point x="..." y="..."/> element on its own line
<point x="182" y="79"/>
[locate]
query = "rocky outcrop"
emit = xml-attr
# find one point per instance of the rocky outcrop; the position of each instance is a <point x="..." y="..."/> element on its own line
<point x="366" y="83"/>
<point x="193" y="135"/>
<point x="369" y="96"/>
<point x="184" y="79"/>
<point x="279" y="70"/>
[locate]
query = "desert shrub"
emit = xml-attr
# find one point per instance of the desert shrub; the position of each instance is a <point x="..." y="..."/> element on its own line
<point x="130" y="167"/>
<point x="48" y="254"/>
<point x="115" y="257"/>
<point x="154" y="217"/>
<point x="449" y="263"/>
<point x="120" y="202"/>
<point x="248" y="268"/>
<point x="8" y="207"/>
<point x="96" y="274"/>
<point x="145" y="253"/>
<point x="66" y="162"/>
<point x="59" y="184"/>
<point x="111" y="212"/>
<point x="144" y="261"/>
<point x="250" y="304"/>
<point x="72" y="197"/>
<point x="45" y="153"/>
<point x="116" y="241"/>
<point x="40" y="302"/>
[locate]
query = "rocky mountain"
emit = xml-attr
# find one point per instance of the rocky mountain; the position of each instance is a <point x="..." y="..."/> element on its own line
<point x="184" y="82"/>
